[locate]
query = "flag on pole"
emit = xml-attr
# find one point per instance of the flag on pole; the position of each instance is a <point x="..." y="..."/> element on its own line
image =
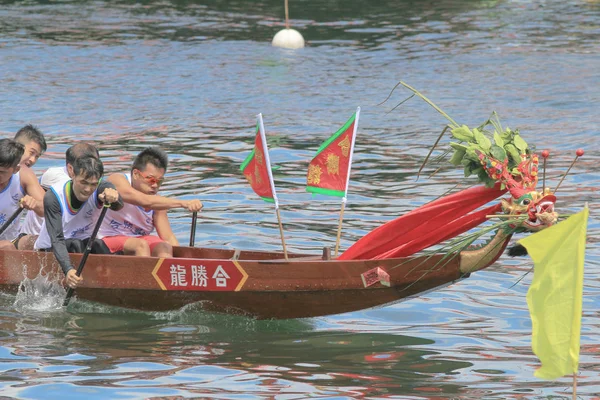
<point x="555" y="294"/>
<point x="329" y="170"/>
<point x="257" y="166"/>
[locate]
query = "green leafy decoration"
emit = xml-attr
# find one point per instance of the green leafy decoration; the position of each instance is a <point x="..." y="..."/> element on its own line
<point x="458" y="156"/>
<point x="458" y="146"/>
<point x="520" y="143"/>
<point x="495" y="121"/>
<point x="471" y="153"/>
<point x="515" y="156"/>
<point x="482" y="140"/>
<point x="498" y="139"/>
<point x="489" y="139"/>
<point x="471" y="169"/>
<point x="504" y="145"/>
<point x="498" y="152"/>
<point x="463" y="134"/>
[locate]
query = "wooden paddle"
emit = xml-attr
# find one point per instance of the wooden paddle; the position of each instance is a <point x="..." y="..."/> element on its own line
<point x="193" y="229"/>
<point x="10" y="220"/>
<point x="86" y="253"/>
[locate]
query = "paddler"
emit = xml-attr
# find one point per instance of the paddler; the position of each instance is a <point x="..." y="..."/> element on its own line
<point x="32" y="225"/>
<point x="71" y="211"/>
<point x="35" y="144"/>
<point x="130" y="230"/>
<point x="19" y="188"/>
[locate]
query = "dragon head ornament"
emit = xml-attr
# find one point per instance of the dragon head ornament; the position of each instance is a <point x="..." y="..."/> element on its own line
<point x="521" y="183"/>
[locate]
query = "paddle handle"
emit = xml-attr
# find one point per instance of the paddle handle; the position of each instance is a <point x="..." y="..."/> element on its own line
<point x="86" y="253"/>
<point x="193" y="228"/>
<point x="10" y="220"/>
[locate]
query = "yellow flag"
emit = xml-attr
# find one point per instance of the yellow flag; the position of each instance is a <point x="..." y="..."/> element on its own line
<point x="555" y="294"/>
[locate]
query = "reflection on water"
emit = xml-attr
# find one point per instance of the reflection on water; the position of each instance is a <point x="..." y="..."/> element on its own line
<point x="209" y="355"/>
<point x="191" y="77"/>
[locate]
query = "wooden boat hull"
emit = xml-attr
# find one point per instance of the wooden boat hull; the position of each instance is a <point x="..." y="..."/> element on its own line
<point x="257" y="284"/>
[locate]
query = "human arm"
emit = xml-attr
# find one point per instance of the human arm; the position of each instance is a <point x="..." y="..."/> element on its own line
<point x="107" y="192"/>
<point x="34" y="194"/>
<point x="53" y="220"/>
<point x="150" y="202"/>
<point x="163" y="228"/>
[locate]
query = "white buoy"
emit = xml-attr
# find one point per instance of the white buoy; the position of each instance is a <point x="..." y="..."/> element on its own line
<point x="288" y="38"/>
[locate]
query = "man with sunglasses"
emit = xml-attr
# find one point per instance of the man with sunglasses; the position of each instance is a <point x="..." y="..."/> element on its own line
<point x="130" y="230"/>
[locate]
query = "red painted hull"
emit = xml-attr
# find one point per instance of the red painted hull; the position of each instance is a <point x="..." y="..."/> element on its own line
<point x="259" y="284"/>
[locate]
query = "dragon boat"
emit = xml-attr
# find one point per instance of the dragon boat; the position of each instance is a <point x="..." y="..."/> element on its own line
<point x="432" y="246"/>
<point x="373" y="272"/>
<point x="256" y="284"/>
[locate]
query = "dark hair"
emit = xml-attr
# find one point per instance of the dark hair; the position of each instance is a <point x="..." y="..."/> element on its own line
<point x="29" y="133"/>
<point x="90" y="167"/>
<point x="151" y="155"/>
<point x="80" y="150"/>
<point x="11" y="152"/>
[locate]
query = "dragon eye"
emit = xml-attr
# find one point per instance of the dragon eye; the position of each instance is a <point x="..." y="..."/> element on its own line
<point x="526" y="202"/>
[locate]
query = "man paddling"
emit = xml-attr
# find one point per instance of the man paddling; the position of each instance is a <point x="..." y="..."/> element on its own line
<point x="34" y="142"/>
<point x="35" y="145"/>
<point x="71" y="211"/>
<point x="130" y="230"/>
<point x="19" y="188"/>
<point x="32" y="225"/>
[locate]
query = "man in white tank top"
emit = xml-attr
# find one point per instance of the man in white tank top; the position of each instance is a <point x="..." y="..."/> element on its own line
<point x="32" y="225"/>
<point x="19" y="188"/>
<point x="35" y="145"/>
<point x="130" y="230"/>
<point x="71" y="211"/>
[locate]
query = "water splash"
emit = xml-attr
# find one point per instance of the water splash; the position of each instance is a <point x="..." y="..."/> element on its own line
<point x="39" y="294"/>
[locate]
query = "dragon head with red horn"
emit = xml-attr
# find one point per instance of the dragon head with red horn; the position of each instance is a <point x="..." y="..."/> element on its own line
<point x="521" y="183"/>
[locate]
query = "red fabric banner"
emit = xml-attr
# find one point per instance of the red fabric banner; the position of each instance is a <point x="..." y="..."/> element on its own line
<point x="426" y="226"/>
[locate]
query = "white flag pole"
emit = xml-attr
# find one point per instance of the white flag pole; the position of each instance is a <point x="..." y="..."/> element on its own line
<point x="339" y="231"/>
<point x="263" y="139"/>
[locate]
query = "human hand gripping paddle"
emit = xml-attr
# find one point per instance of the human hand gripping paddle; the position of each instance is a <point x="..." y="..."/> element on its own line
<point x="86" y="253"/>
<point x="194" y="206"/>
<point x="26" y="202"/>
<point x="10" y="220"/>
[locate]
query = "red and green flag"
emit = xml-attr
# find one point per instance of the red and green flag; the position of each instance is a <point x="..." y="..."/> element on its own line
<point x="257" y="166"/>
<point x="329" y="170"/>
